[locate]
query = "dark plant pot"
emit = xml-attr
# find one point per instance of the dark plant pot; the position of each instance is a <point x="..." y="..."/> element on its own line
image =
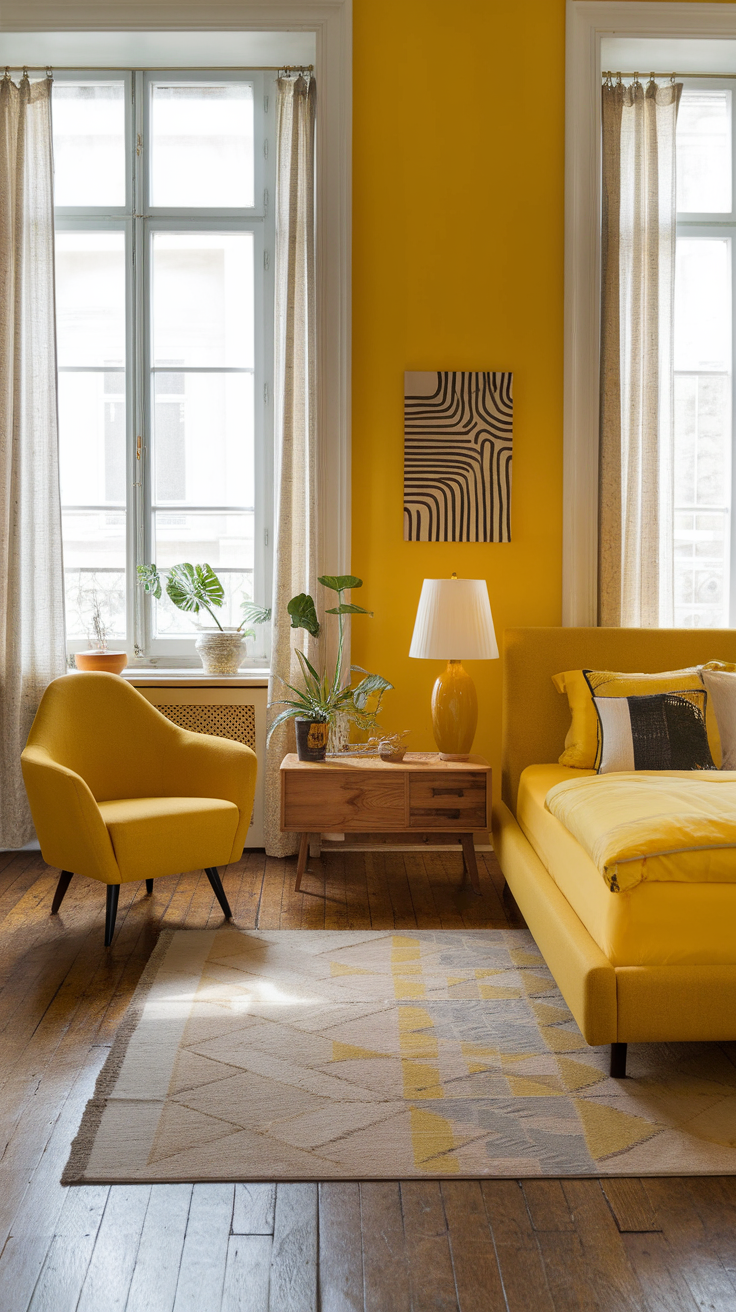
<point x="311" y="739"/>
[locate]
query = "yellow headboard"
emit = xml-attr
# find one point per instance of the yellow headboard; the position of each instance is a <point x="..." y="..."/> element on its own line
<point x="536" y="716"/>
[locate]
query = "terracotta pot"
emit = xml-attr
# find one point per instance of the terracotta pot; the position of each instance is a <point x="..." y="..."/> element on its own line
<point x="221" y="651"/>
<point x="111" y="662"/>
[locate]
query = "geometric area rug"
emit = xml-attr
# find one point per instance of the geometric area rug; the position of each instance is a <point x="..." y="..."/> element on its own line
<point x="331" y="1055"/>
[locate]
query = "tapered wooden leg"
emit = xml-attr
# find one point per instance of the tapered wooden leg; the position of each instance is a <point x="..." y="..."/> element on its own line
<point x="618" y="1061"/>
<point x="65" y="879"/>
<point x="149" y="887"/>
<point x="471" y="865"/>
<point x="301" y="862"/>
<point x="219" y="891"/>
<point x="113" y="893"/>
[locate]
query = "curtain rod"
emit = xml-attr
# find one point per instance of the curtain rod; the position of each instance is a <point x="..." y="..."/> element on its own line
<point x="669" y="75"/>
<point x="180" y="68"/>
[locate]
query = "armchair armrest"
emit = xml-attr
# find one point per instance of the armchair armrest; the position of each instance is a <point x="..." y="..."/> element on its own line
<point x="200" y="765"/>
<point x="67" y="819"/>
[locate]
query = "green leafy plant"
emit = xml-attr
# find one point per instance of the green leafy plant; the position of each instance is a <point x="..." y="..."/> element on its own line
<point x="192" y="588"/>
<point x="326" y="696"/>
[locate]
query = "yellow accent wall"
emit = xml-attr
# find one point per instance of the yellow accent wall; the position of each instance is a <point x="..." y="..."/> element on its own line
<point x="457" y="264"/>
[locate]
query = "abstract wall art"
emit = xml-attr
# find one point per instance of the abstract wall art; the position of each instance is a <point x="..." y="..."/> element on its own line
<point x="457" y="456"/>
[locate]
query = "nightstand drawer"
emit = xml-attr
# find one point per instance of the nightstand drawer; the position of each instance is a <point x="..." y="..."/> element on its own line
<point x="447" y="801"/>
<point x="346" y="800"/>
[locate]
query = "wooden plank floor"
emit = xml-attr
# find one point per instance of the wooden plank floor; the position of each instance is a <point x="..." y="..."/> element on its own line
<point x="660" y="1245"/>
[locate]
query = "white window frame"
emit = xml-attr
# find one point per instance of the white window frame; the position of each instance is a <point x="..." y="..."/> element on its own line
<point x="140" y="221"/>
<point x="72" y="32"/>
<point x="588" y="21"/>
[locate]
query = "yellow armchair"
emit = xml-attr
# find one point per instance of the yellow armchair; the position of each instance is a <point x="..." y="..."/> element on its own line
<point x="119" y="793"/>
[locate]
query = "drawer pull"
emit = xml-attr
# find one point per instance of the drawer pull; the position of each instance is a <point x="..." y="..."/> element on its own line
<point x="448" y="792"/>
<point x="443" y="811"/>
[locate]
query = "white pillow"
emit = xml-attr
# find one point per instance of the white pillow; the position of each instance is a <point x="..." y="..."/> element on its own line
<point x="721" y="689"/>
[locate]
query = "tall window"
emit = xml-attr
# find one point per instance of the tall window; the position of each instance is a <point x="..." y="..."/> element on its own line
<point x="704" y="546"/>
<point x="164" y="205"/>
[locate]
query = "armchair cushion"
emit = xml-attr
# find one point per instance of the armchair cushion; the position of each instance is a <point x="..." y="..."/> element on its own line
<point x="154" y="836"/>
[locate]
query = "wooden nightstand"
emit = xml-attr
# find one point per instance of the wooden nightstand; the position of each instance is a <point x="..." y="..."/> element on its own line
<point x="363" y="794"/>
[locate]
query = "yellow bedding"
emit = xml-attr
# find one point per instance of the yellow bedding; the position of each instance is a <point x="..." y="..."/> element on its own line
<point x="668" y="826"/>
<point x="653" y="924"/>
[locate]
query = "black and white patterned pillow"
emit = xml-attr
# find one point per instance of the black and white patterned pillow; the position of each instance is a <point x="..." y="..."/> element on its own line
<point x="661" y="731"/>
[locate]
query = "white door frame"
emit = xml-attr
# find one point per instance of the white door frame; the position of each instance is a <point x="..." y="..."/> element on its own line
<point x="588" y="21"/>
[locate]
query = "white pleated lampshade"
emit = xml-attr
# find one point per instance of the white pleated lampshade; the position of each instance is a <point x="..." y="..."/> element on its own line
<point x="454" y="622"/>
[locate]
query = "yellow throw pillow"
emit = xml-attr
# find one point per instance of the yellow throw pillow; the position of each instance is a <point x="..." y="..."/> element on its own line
<point x="581" y="744"/>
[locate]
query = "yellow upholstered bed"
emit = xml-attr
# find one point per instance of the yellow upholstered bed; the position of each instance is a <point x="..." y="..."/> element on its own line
<point x="654" y="963"/>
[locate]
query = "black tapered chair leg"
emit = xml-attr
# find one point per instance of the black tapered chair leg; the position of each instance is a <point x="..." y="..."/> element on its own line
<point x="618" y="1061"/>
<point x="113" y="893"/>
<point x="149" y="887"/>
<point x="65" y="879"/>
<point x="219" y="891"/>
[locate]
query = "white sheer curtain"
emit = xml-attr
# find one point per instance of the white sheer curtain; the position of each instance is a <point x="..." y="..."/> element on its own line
<point x="295" y="552"/>
<point x="32" y="643"/>
<point x="637" y="316"/>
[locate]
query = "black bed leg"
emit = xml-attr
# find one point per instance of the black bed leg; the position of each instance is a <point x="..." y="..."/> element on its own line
<point x="618" y="1061"/>
<point x="149" y="887"/>
<point x="65" y="879"/>
<point x="219" y="891"/>
<point x="113" y="893"/>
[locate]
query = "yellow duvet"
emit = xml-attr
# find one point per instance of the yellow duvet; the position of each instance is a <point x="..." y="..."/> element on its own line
<point x="671" y="826"/>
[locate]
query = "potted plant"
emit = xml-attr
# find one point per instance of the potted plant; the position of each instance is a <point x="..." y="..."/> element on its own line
<point x="196" y="588"/>
<point x="98" y="656"/>
<point x="325" y="697"/>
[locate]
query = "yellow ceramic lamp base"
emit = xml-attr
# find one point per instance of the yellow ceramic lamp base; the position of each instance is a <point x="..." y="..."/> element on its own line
<point x="454" y="712"/>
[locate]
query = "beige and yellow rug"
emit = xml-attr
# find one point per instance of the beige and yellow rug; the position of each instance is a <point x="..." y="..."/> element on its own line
<point x="298" y="1055"/>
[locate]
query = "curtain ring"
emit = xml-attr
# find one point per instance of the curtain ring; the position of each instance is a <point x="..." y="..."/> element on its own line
<point x="7" y="73"/>
<point x="49" y="73"/>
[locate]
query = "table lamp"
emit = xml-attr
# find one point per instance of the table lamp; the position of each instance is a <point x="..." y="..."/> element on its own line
<point x="454" y="623"/>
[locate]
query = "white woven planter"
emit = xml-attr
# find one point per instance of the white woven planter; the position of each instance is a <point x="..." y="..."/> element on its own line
<point x="221" y="651"/>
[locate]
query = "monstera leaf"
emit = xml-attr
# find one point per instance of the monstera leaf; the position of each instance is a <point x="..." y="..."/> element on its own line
<point x="253" y="614"/>
<point x="193" y="586"/>
<point x="303" y="614"/>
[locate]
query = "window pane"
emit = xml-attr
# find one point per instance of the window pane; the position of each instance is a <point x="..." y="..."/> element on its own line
<point x="203" y="299"/>
<point x="90" y="298"/>
<point x="702" y="499"/>
<point x="92" y="438"/>
<point x="94" y="568"/>
<point x="704" y="152"/>
<point x="701" y="570"/>
<point x="202" y="145"/>
<point x="89" y="143"/>
<point x="225" y="542"/>
<point x="203" y="438"/>
<point x="703" y="303"/>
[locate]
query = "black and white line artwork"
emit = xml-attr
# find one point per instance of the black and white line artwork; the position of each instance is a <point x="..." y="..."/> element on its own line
<point x="457" y="456"/>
